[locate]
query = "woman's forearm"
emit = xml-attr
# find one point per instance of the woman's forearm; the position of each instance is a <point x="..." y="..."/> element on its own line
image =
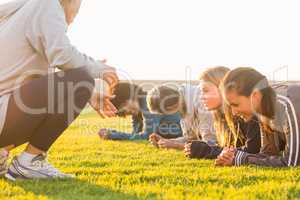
<point x="180" y="146"/>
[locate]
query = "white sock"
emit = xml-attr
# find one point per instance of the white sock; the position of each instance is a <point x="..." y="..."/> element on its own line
<point x="26" y="158"/>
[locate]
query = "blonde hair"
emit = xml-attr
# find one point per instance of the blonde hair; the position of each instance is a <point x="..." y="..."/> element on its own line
<point x="225" y="131"/>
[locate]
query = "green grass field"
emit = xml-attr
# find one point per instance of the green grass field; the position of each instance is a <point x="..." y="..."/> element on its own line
<point x="136" y="170"/>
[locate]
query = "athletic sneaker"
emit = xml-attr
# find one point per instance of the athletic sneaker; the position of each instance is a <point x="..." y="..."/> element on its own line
<point x="39" y="168"/>
<point x="3" y="161"/>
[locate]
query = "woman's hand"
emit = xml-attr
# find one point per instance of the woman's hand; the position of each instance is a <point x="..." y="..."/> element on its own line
<point x="102" y="104"/>
<point x="226" y="157"/>
<point x="104" y="134"/>
<point x="111" y="78"/>
<point x="154" y="139"/>
<point x="187" y="149"/>
<point x="101" y="100"/>
<point x="109" y="75"/>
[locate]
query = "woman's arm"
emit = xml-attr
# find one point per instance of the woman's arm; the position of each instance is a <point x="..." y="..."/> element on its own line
<point x="200" y="149"/>
<point x="137" y="123"/>
<point x="253" y="139"/>
<point x="291" y="154"/>
<point x="46" y="33"/>
<point x="118" y="135"/>
<point x="171" y="144"/>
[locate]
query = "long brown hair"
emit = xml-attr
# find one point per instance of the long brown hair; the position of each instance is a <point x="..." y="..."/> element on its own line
<point x="244" y="81"/>
<point x="223" y="130"/>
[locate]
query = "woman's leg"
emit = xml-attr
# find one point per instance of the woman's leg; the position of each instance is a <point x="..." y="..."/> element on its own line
<point x="62" y="97"/>
<point x="59" y="98"/>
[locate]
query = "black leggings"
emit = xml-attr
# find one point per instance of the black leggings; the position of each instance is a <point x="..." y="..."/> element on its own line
<point x="62" y="95"/>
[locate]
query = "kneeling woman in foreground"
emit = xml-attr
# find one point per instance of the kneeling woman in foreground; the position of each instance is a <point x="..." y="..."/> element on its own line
<point x="36" y="103"/>
<point x="248" y="92"/>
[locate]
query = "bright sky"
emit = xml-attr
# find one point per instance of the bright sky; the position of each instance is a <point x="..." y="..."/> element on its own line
<point x="158" y="39"/>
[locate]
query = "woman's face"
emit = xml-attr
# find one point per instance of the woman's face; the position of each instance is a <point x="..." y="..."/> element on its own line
<point x="71" y="10"/>
<point x="243" y="106"/>
<point x="210" y="96"/>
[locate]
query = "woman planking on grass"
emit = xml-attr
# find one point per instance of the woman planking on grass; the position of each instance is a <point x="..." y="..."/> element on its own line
<point x="196" y="122"/>
<point x="36" y="103"/>
<point x="230" y="131"/>
<point x="248" y="93"/>
<point x="130" y="99"/>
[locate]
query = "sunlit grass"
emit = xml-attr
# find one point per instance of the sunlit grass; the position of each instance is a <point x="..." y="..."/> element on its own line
<point x="136" y="170"/>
